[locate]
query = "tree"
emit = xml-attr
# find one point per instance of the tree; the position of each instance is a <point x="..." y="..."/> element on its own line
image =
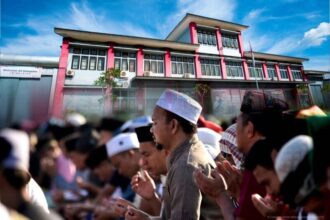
<point x="108" y="80"/>
<point x="201" y="90"/>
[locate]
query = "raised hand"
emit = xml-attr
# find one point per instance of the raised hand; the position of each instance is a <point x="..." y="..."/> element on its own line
<point x="144" y="185"/>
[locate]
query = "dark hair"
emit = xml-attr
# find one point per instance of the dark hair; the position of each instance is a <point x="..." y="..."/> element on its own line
<point x="260" y="154"/>
<point x="96" y="157"/>
<point x="187" y="126"/>
<point x="5" y="148"/>
<point x="16" y="178"/>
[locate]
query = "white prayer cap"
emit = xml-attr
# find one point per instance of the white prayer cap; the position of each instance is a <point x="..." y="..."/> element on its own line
<point x="180" y="104"/>
<point x="210" y="139"/>
<point x="135" y="123"/>
<point x="75" y="119"/>
<point x="291" y="155"/>
<point x="122" y="142"/>
<point x="19" y="155"/>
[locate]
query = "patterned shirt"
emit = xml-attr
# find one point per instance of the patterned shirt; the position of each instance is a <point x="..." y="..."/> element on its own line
<point x="182" y="197"/>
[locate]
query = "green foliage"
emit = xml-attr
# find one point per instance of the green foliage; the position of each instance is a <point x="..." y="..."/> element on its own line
<point x="326" y="87"/>
<point x="201" y="89"/>
<point x="108" y="78"/>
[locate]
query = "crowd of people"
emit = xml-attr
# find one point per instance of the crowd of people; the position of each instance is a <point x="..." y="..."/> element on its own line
<point x="272" y="162"/>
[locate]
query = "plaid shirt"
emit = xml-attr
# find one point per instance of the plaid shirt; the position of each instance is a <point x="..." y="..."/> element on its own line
<point x="228" y="144"/>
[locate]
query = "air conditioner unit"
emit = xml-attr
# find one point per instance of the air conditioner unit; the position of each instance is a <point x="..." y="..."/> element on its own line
<point x="125" y="84"/>
<point x="147" y="73"/>
<point x="123" y="74"/>
<point x="69" y="73"/>
<point x="186" y="75"/>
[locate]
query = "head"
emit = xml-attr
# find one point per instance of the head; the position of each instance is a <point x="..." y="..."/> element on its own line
<point x="81" y="146"/>
<point x="153" y="158"/>
<point x="99" y="163"/>
<point x="210" y="139"/>
<point x="259" y="160"/>
<point x="293" y="166"/>
<point x="258" y="112"/>
<point x="175" y="114"/>
<point x="123" y="151"/>
<point x="14" y="166"/>
<point x="108" y="128"/>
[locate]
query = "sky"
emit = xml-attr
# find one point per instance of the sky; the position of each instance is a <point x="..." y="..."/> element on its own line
<point x="299" y="28"/>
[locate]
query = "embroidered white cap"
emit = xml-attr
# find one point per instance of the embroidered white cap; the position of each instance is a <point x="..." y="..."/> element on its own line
<point x="210" y="139"/>
<point x="122" y="142"/>
<point x="19" y="155"/>
<point x="291" y="155"/>
<point x="180" y="104"/>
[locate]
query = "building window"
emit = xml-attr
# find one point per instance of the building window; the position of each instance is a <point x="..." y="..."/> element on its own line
<point x="182" y="65"/>
<point x="85" y="58"/>
<point x="271" y="72"/>
<point x="210" y="67"/>
<point x="154" y="63"/>
<point x="296" y="73"/>
<point x="255" y="72"/>
<point x="234" y="69"/>
<point x="229" y="40"/>
<point x="284" y="72"/>
<point x="75" y="62"/>
<point x="206" y="37"/>
<point x="125" y="61"/>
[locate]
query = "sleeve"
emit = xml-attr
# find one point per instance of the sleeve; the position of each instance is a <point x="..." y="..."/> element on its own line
<point x="185" y="195"/>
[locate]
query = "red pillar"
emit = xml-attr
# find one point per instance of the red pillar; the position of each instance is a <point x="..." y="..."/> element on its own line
<point x="111" y="57"/>
<point x="193" y="32"/>
<point x="289" y="73"/>
<point x="240" y="44"/>
<point x="277" y="71"/>
<point x="264" y="70"/>
<point x="198" y="67"/>
<point x="139" y="61"/>
<point x="58" y="96"/>
<point x="219" y="41"/>
<point x="168" y="68"/>
<point x="223" y="68"/>
<point x="245" y="70"/>
<point x="303" y="74"/>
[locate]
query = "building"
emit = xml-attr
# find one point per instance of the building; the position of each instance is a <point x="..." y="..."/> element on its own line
<point x="319" y="87"/>
<point x="200" y="52"/>
<point x="27" y="85"/>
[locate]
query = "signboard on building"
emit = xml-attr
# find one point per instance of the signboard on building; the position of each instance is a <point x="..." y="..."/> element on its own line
<point x="20" y="72"/>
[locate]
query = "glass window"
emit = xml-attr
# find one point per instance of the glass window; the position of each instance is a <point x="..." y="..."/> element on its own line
<point x="100" y="63"/>
<point x="92" y="63"/>
<point x="234" y="69"/>
<point x="132" y="65"/>
<point x="155" y="63"/>
<point x="76" y="50"/>
<point x="89" y="60"/>
<point x="85" y="51"/>
<point x="182" y="65"/>
<point x="229" y="41"/>
<point x="271" y="72"/>
<point x="296" y="73"/>
<point x="284" y="72"/>
<point x="93" y="52"/>
<point x="210" y="67"/>
<point x="75" y="62"/>
<point x="102" y="52"/>
<point x="146" y="65"/>
<point x="84" y="63"/>
<point x="206" y="37"/>
<point x="117" y="63"/>
<point x="125" y="61"/>
<point x="255" y="71"/>
<point x="124" y="64"/>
